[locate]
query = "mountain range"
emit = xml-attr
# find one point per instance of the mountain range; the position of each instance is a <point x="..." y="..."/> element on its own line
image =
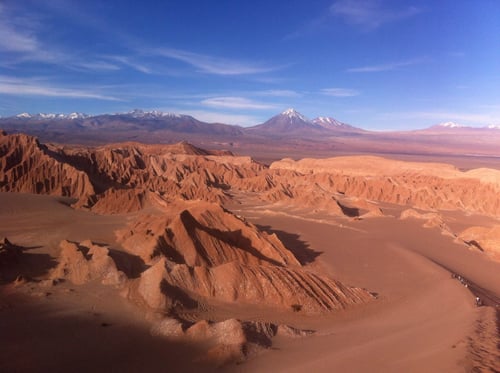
<point x="289" y="120"/>
<point x="284" y="134"/>
<point x="284" y="123"/>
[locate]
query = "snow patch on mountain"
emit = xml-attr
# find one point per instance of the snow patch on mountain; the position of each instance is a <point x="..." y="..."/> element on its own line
<point x="450" y="125"/>
<point x="154" y="114"/>
<point x="294" y="114"/>
<point x="47" y="116"/>
<point x="328" y="122"/>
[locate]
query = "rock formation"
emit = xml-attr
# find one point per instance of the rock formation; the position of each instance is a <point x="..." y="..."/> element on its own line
<point x="127" y="177"/>
<point x="230" y="341"/>
<point x="486" y="239"/>
<point x="203" y="233"/>
<point x="84" y="262"/>
<point x="29" y="167"/>
<point x="431" y="220"/>
<point x="206" y="253"/>
<point x="428" y="186"/>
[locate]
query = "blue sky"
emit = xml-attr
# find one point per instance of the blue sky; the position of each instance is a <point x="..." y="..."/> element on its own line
<point x="376" y="64"/>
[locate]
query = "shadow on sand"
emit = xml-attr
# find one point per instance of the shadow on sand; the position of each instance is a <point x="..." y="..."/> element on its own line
<point x="292" y="242"/>
<point x="17" y="261"/>
<point x="42" y="338"/>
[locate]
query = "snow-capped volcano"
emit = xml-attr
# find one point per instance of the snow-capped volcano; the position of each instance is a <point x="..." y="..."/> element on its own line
<point x="294" y="114"/>
<point x="292" y="123"/>
<point x="288" y="122"/>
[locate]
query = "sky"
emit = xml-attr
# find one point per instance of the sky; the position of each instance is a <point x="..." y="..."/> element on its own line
<point x="375" y="64"/>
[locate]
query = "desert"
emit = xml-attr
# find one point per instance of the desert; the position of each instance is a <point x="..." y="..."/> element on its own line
<point x="249" y="186"/>
<point x="146" y="256"/>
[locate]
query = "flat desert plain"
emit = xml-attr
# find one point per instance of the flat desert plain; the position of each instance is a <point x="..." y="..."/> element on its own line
<point x="155" y="258"/>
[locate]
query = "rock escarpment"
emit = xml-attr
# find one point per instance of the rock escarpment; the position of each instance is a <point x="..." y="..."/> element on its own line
<point x="205" y="234"/>
<point x="128" y="177"/>
<point x="427" y="186"/>
<point x="30" y="167"/>
<point x="206" y="253"/>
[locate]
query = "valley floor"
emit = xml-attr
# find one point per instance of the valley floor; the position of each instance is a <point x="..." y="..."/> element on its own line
<point x="422" y="320"/>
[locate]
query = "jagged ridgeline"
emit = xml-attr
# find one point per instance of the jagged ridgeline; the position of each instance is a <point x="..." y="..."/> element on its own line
<point x="129" y="176"/>
<point x="195" y="249"/>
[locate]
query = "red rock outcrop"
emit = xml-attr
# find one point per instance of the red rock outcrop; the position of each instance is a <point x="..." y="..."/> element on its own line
<point x="204" y="234"/>
<point x="426" y="186"/>
<point x="84" y="262"/>
<point x="29" y="167"/>
<point x="228" y="341"/>
<point x="125" y="176"/>
<point x="431" y="220"/>
<point x="115" y="201"/>
<point x="274" y="286"/>
<point x="206" y="253"/>
<point x="486" y="239"/>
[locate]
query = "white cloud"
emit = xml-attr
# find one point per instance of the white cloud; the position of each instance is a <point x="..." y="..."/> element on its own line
<point x="15" y="37"/>
<point x="22" y="87"/>
<point x="97" y="66"/>
<point x="128" y="62"/>
<point x="340" y="92"/>
<point x="214" y="65"/>
<point x="386" y="67"/>
<point x="236" y="103"/>
<point x="370" y="13"/>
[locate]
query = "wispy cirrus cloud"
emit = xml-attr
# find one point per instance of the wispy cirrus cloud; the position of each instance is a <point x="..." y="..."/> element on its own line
<point x="215" y="65"/>
<point x="96" y="66"/>
<point x="16" y="35"/>
<point x="21" y="41"/>
<point x="127" y="61"/>
<point x="364" y="14"/>
<point x="236" y="103"/>
<point x="340" y="92"/>
<point x="386" y="66"/>
<point x="370" y="14"/>
<point x="35" y="87"/>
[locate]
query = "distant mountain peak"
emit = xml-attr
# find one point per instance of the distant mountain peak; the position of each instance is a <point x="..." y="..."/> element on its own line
<point x="294" y="114"/>
<point x="329" y="122"/>
<point x="450" y="125"/>
<point x="41" y="116"/>
<point x="138" y="113"/>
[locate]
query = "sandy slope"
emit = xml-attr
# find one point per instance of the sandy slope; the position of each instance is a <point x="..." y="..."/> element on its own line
<point x="423" y="319"/>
